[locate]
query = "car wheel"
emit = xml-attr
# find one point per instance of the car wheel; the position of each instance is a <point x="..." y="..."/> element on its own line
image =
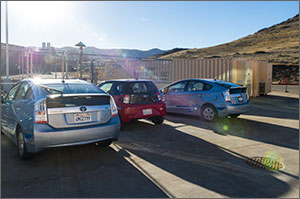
<point x="122" y="126"/>
<point x="105" y="143"/>
<point x="234" y="115"/>
<point x="209" y="113"/>
<point x="23" y="153"/>
<point x="158" y="120"/>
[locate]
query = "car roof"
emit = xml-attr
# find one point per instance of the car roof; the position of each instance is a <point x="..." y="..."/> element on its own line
<point x="207" y="80"/>
<point x="127" y="80"/>
<point x="56" y="81"/>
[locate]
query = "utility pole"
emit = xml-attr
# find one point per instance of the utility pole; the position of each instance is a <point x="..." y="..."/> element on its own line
<point x="7" y="55"/>
<point x="55" y="66"/>
<point x="22" y="63"/>
<point x="67" y="75"/>
<point x="31" y="63"/>
<point x="27" y="62"/>
<point x="77" y="72"/>
<point x="92" y="72"/>
<point x="63" y="65"/>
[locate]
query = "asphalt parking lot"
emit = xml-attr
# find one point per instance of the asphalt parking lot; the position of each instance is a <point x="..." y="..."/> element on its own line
<point x="183" y="157"/>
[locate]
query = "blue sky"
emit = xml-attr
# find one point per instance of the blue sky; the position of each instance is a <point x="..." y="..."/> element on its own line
<point x="140" y="25"/>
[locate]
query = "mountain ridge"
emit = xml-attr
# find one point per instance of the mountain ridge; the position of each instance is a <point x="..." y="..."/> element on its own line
<point x="134" y="53"/>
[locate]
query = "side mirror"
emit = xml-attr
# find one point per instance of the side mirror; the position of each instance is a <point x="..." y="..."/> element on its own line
<point x="164" y="90"/>
<point x="2" y="99"/>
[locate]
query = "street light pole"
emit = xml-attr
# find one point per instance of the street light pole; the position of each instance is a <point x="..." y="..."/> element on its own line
<point x="80" y="45"/>
<point x="7" y="55"/>
<point x="80" y="61"/>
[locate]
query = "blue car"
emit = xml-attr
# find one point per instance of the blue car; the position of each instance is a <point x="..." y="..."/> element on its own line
<point x="39" y="114"/>
<point x="208" y="98"/>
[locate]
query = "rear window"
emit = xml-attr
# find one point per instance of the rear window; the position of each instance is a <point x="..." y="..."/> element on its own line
<point x="140" y="87"/>
<point x="227" y="84"/>
<point x="72" y="101"/>
<point x="75" y="88"/>
<point x="237" y="90"/>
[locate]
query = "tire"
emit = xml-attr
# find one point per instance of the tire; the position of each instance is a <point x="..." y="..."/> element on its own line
<point x="23" y="153"/>
<point x="158" y="120"/>
<point x="209" y="113"/>
<point x="105" y="143"/>
<point x="234" y="115"/>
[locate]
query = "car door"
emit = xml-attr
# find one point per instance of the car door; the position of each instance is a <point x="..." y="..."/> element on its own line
<point x="173" y="98"/>
<point x="7" y="114"/>
<point x="196" y="91"/>
<point x="23" y="107"/>
<point x="116" y="91"/>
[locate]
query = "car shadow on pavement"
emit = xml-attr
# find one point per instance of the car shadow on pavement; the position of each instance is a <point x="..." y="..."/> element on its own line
<point x="77" y="171"/>
<point x="198" y="162"/>
<point x="275" y="106"/>
<point x="254" y="130"/>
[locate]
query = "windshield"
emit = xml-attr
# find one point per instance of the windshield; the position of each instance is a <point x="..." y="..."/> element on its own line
<point x="73" y="88"/>
<point x="140" y="87"/>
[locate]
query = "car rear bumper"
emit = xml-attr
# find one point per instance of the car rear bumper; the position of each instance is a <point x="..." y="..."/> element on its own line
<point x="130" y="112"/>
<point x="45" y="136"/>
<point x="231" y="109"/>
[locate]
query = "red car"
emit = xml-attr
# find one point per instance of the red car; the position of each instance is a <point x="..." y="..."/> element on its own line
<point x="136" y="99"/>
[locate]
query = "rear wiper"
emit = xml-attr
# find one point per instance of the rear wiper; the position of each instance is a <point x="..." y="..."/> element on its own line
<point x="51" y="89"/>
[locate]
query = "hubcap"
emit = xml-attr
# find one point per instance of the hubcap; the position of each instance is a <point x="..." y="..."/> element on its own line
<point x="21" y="143"/>
<point x="209" y="113"/>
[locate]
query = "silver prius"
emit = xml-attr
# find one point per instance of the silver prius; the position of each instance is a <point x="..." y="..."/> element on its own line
<point x="38" y="114"/>
<point x="209" y="98"/>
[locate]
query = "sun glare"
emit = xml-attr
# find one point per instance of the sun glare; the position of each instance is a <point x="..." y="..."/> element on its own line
<point x="40" y="11"/>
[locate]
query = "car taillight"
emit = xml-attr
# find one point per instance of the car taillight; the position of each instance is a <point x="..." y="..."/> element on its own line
<point x="226" y="96"/>
<point x="41" y="112"/>
<point x="126" y="99"/>
<point x="158" y="96"/>
<point x="113" y="107"/>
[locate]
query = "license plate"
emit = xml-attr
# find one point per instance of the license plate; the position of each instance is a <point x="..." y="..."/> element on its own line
<point x="82" y="117"/>
<point x="240" y="99"/>
<point x="147" y="111"/>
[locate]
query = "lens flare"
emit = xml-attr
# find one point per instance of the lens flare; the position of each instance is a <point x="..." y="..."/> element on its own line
<point x="225" y="128"/>
<point x="228" y="126"/>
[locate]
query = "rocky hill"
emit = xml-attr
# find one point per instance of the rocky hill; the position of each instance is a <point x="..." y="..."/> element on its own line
<point x="278" y="44"/>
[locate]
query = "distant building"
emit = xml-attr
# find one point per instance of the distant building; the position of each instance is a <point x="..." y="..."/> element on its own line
<point x="16" y="58"/>
<point x="43" y="45"/>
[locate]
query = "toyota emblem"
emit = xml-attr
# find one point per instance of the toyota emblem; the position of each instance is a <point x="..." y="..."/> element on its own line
<point x="83" y="108"/>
